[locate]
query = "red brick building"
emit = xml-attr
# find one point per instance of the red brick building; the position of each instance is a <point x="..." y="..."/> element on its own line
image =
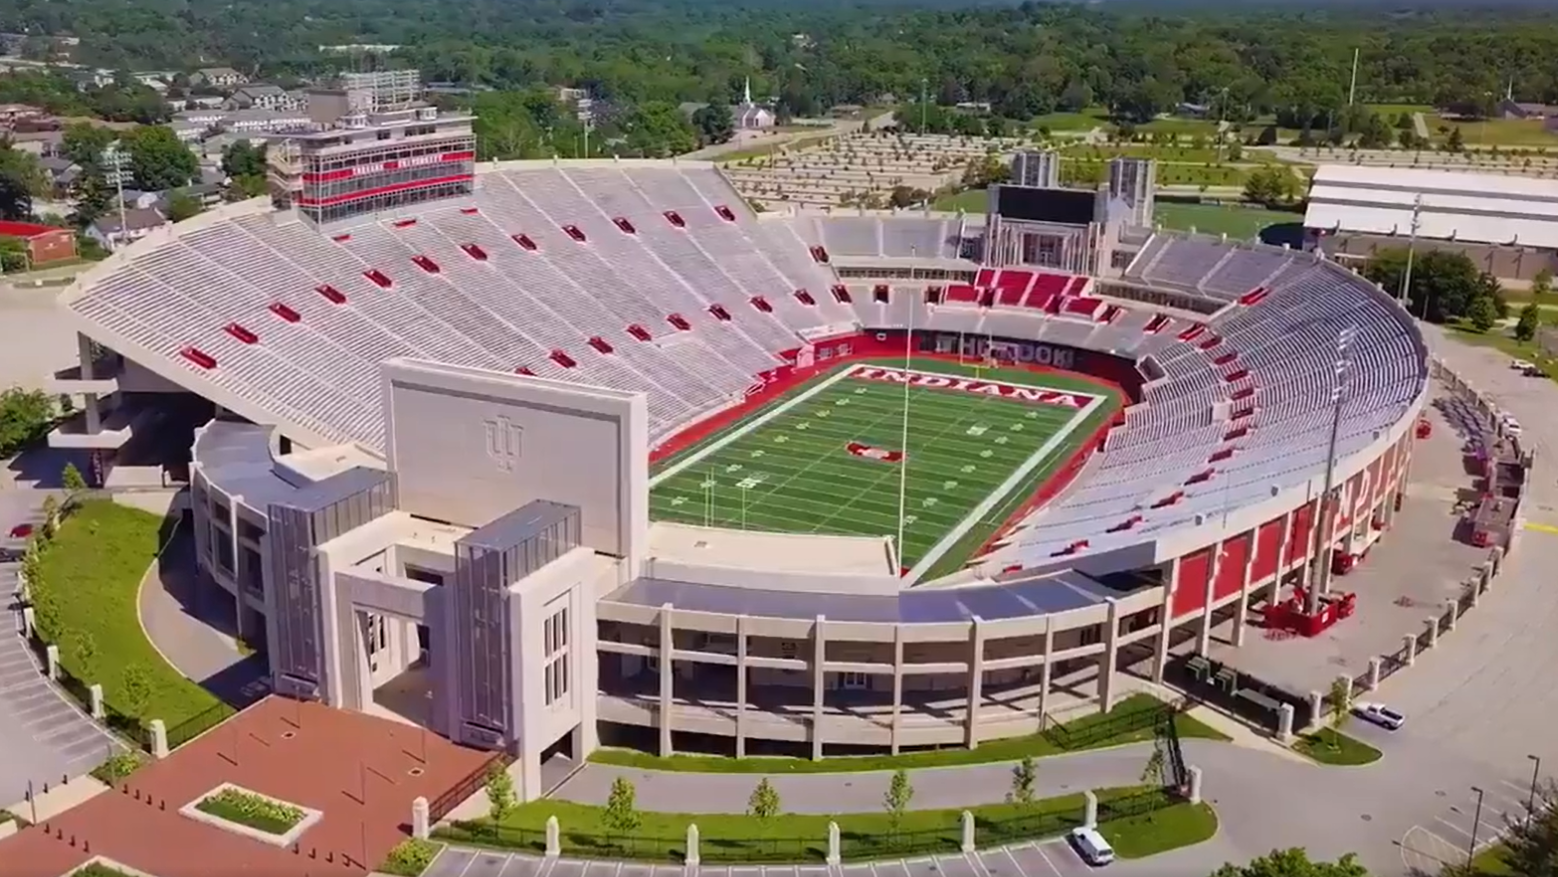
<point x="45" y="243"/>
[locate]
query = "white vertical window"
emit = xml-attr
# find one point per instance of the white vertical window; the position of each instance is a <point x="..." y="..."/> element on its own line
<point x="554" y="641"/>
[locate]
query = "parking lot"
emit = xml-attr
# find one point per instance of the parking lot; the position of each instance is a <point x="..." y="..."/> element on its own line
<point x="1053" y="858"/>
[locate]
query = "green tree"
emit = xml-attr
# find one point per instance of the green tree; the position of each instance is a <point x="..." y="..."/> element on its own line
<point x="1455" y="142"/>
<point x="1482" y="313"/>
<point x="25" y="416"/>
<point x="243" y="159"/>
<point x="1024" y="775"/>
<point x="1542" y="283"/>
<point x="51" y="510"/>
<point x="83" y="648"/>
<point x="1444" y="284"/>
<point x="500" y="794"/>
<point x="1154" y="773"/>
<point x="622" y="816"/>
<point x="764" y="802"/>
<point x="896" y="800"/>
<point x="715" y="124"/>
<point x="135" y="691"/>
<point x="1294" y="862"/>
<point x="71" y="480"/>
<point x="85" y="143"/>
<point x="1531" y="845"/>
<point x="1530" y="320"/>
<point x="158" y="161"/>
<point x="182" y="206"/>
<point x="658" y="129"/>
<point x="94" y="198"/>
<point x="1338" y="708"/>
<point x="1272" y="185"/>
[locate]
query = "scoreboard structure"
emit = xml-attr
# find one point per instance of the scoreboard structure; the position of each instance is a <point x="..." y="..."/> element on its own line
<point x="1045" y="227"/>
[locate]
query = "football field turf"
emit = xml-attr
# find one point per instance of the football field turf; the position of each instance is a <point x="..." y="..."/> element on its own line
<point x="828" y="458"/>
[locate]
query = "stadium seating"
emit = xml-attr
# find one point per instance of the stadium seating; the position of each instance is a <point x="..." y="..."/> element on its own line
<point x="655" y="278"/>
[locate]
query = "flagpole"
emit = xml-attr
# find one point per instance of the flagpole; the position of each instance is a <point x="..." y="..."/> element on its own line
<point x="903" y="470"/>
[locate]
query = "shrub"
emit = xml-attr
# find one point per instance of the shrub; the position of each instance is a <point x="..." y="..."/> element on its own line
<point x="118" y="766"/>
<point x="247" y="808"/>
<point x="410" y="857"/>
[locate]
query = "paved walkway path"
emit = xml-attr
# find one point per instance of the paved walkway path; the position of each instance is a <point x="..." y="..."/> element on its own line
<point x="193" y="629"/>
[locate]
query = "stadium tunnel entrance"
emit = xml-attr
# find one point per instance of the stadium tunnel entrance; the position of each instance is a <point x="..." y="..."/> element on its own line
<point x="395" y="659"/>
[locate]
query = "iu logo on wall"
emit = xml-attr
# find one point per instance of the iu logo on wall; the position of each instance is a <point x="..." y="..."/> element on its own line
<point x="505" y="442"/>
<point x="873" y="453"/>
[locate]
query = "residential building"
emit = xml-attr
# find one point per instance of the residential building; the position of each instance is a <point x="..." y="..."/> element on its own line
<point x="217" y="77"/>
<point x="44" y="244"/>
<point x="139" y="222"/>
<point x="261" y="96"/>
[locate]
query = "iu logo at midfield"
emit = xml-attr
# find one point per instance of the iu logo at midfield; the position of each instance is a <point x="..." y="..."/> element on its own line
<point x="872" y="453"/>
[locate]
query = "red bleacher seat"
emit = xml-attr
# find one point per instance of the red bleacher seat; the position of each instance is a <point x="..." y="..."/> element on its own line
<point x="962" y="292"/>
<point x="985" y="277"/>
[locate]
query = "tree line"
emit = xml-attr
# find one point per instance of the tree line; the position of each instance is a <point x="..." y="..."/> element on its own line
<point x="1024" y="60"/>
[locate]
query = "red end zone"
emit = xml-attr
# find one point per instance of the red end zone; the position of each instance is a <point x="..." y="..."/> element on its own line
<point x="782" y="380"/>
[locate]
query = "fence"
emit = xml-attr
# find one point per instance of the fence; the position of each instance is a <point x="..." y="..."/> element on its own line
<point x="854" y="845"/>
<point x="198" y="724"/>
<point x="1088" y="732"/>
<point x="127" y="727"/>
<point x="440" y="807"/>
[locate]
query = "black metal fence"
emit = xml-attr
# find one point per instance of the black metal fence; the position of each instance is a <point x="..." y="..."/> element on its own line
<point x="198" y="724"/>
<point x="440" y="807"/>
<point x="131" y="729"/>
<point x="1088" y="732"/>
<point x="853" y="845"/>
<point x="1239" y="693"/>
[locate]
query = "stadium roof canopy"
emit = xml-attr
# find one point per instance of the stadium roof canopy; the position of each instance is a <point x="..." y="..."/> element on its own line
<point x="1457" y="206"/>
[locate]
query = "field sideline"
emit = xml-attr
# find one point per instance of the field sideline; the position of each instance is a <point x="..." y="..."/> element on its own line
<point x="828" y="457"/>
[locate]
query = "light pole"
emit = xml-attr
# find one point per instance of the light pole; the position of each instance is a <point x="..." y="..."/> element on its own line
<point x="1536" y="770"/>
<point x="924" y="105"/>
<point x="1325" y="516"/>
<point x="1476" y="823"/>
<point x="1406" y="278"/>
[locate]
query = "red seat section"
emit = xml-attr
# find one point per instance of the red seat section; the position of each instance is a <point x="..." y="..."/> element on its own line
<point x="524" y="370"/>
<point x="426" y="264"/>
<point x="575" y="232"/>
<point x="563" y="359"/>
<point x="675" y="219"/>
<point x="1156" y="324"/>
<point x="241" y="333"/>
<point x="720" y="313"/>
<point x="679" y="322"/>
<point x="379" y="278"/>
<point x="285" y="312"/>
<point x="639" y="332"/>
<point x="879" y="293"/>
<point x="331" y="294"/>
<point x="474" y="252"/>
<point x="729" y="215"/>
<point x="804" y="297"/>
<point x="1046" y="289"/>
<point x="841" y="293"/>
<point x="985" y="277"/>
<point x="525" y="242"/>
<point x="762" y="304"/>
<point x="1254" y="296"/>
<point x="1082" y="306"/>
<point x="600" y="344"/>
<point x="622" y="223"/>
<point x="962" y="292"/>
<point x="1012" y="286"/>
<point x="819" y="254"/>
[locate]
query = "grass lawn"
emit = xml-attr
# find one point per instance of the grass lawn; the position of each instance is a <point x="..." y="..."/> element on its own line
<point x="831" y="462"/>
<point x="1086" y="120"/>
<point x="971" y="201"/>
<point x="803" y="837"/>
<point x="1334" y="748"/>
<point x="1165" y="155"/>
<point x="1490" y="863"/>
<point x="1169" y="174"/>
<point x="98" y="869"/>
<point x="1391" y="111"/>
<point x="1493" y="132"/>
<point x="1010" y="749"/>
<point x="1238" y="222"/>
<point x="89" y="581"/>
<point x="1183" y="824"/>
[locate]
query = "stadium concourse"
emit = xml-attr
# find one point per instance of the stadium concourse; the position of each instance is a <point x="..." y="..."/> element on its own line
<point x="422" y="464"/>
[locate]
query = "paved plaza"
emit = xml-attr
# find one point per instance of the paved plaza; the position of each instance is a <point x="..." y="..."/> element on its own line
<point x="1408" y="575"/>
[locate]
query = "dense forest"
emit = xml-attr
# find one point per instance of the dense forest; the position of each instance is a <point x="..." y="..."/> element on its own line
<point x="1023" y="59"/>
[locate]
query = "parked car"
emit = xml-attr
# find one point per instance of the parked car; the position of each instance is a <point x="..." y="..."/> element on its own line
<point x="1091" y="846"/>
<point x="1380" y="714"/>
<point x="1520" y="365"/>
<point x="21" y="531"/>
<point x="11" y="555"/>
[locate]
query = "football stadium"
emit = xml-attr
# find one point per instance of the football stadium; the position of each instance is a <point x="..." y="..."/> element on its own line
<point x="550" y="455"/>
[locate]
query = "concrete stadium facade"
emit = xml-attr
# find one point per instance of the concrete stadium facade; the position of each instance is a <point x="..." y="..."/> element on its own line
<point x="491" y="571"/>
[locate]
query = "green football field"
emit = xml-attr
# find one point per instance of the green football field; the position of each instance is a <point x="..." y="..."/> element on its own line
<point x="829" y="457"/>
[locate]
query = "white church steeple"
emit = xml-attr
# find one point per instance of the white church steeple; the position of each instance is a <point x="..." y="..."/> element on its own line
<point x="746" y="93"/>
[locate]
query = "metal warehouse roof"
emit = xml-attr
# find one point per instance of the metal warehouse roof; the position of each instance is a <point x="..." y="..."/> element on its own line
<point x="1456" y="205"/>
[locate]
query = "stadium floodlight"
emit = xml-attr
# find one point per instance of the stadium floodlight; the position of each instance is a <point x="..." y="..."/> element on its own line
<point x="1406" y="277"/>
<point x="1325" y="517"/>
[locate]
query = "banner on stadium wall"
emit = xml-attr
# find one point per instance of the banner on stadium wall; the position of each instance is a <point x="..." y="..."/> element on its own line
<point x="1035" y="353"/>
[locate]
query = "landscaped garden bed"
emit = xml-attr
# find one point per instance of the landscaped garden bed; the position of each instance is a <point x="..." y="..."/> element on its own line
<point x="251" y="814"/>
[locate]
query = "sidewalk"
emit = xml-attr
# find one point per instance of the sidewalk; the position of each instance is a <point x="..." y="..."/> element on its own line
<point x="47" y="805"/>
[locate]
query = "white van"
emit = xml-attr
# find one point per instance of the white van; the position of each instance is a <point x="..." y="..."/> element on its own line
<point x="1092" y="847"/>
